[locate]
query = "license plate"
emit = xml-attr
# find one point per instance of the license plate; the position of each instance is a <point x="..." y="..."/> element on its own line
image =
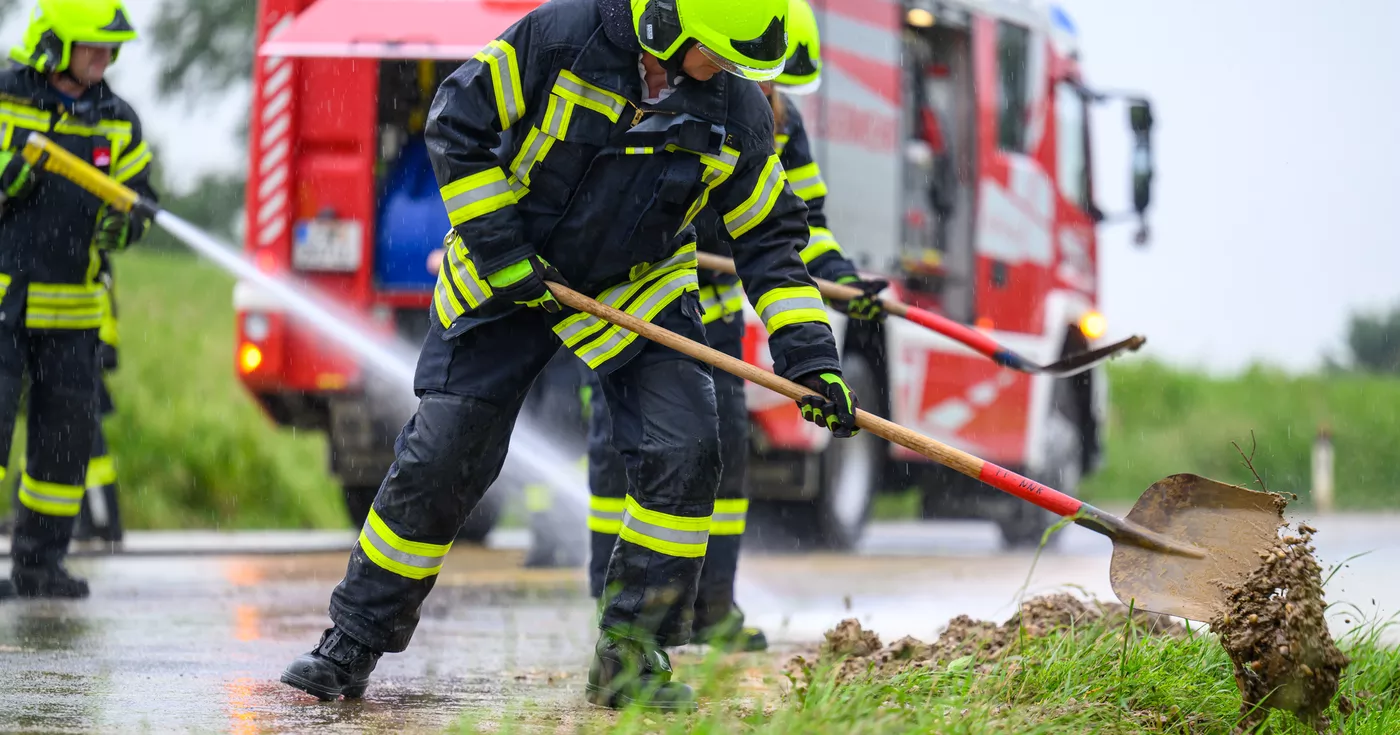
<point x="327" y="245"/>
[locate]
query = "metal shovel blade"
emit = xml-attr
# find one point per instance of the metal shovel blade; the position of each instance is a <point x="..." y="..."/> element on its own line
<point x="1231" y="524"/>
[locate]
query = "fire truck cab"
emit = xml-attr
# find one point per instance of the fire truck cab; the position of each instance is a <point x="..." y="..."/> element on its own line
<point x="953" y="137"/>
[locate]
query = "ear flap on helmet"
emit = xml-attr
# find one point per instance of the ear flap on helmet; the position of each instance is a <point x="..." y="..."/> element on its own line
<point x="659" y="28"/>
<point x="50" y="53"/>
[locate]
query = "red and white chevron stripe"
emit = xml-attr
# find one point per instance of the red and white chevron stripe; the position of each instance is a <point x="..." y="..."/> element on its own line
<point x="274" y="146"/>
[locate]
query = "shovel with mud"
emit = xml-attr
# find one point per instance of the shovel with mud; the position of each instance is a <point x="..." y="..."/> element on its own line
<point x="1186" y="542"/>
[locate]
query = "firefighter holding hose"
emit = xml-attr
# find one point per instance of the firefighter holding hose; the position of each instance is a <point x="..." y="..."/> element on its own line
<point x="623" y="126"/>
<point x="718" y="620"/>
<point x="51" y="232"/>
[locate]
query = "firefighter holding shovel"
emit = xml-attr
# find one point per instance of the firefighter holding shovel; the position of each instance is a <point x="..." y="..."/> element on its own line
<point x="625" y="121"/>
<point x="50" y="234"/>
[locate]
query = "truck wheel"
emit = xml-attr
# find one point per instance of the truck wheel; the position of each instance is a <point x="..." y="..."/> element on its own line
<point x="358" y="499"/>
<point x="851" y="471"/>
<point x="1025" y="526"/>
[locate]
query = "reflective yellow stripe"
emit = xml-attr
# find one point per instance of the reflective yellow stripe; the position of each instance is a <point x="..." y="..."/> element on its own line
<point x="780" y="141"/>
<point x="7" y="132"/>
<point x="807" y="182"/>
<point x="134" y="162"/>
<point x="24" y="116"/>
<point x="781" y="307"/>
<point x="642" y="151"/>
<point x="663" y="532"/>
<point x="557" y="116"/>
<point x="107" y="331"/>
<point x="388" y="550"/>
<point x="717" y="171"/>
<point x="64" y="306"/>
<point x="730" y="517"/>
<point x="538" y="498"/>
<point x="119" y="130"/>
<point x="605" y="514"/>
<point x="505" y="81"/>
<point x="445" y="301"/>
<point x="574" y="89"/>
<point x="50" y="498"/>
<point x="716" y="302"/>
<point x="755" y="209"/>
<point x="614" y="340"/>
<point x="101" y="471"/>
<point x="462" y="270"/>
<point x="4" y="288"/>
<point x="532" y="151"/>
<point x="820" y="242"/>
<point x="481" y="193"/>
<point x="578" y="327"/>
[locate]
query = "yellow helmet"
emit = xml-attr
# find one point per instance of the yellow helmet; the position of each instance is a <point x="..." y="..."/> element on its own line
<point x="744" y="37"/>
<point x="55" y="25"/>
<point x="802" y="70"/>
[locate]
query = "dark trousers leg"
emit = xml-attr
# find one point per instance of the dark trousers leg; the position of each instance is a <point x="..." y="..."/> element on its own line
<point x="716" y="596"/>
<point x="62" y="413"/>
<point x="665" y="426"/>
<point x="607" y="490"/>
<point x="470" y="392"/>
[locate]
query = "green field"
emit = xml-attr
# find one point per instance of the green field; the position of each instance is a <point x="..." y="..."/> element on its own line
<point x="194" y="451"/>
<point x="1165" y="421"/>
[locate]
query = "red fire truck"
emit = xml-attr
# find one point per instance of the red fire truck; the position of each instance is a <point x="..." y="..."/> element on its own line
<point x="954" y="138"/>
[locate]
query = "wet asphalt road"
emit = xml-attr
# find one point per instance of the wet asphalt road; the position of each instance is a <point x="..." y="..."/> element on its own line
<point x="195" y="642"/>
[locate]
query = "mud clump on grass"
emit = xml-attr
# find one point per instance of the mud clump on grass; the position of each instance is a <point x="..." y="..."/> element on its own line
<point x="1275" y="633"/>
<point x="981" y="642"/>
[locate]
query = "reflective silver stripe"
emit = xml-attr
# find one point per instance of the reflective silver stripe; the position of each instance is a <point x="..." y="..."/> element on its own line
<point x="530" y="156"/>
<point x="413" y="560"/>
<point x="504" y="70"/>
<point x="745" y="219"/>
<point x="464" y="277"/>
<point x="665" y="534"/>
<point x="556" y="117"/>
<point x="590" y="94"/>
<point x="478" y="194"/>
<point x="605" y="516"/>
<point x="806" y="182"/>
<point x="728" y="517"/>
<point x="781" y="305"/>
<point x="618" y="334"/>
<point x="616" y="294"/>
<point x="55" y="499"/>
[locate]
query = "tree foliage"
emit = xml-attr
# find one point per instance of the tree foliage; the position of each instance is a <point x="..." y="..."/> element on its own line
<point x="1374" y="340"/>
<point x="205" y="47"/>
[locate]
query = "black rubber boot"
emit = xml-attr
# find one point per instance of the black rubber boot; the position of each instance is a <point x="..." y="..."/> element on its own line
<point x="627" y="672"/>
<point x="339" y="665"/>
<point x="47" y="581"/>
<point x="730" y="634"/>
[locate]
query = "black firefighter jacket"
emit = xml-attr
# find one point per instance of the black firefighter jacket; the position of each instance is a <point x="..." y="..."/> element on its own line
<point x="541" y="145"/>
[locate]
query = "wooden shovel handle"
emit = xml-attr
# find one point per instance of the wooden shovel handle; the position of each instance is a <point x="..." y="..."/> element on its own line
<point x="978" y="469"/>
<point x="923" y="317"/>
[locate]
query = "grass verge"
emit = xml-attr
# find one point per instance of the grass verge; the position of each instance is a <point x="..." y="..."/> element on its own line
<point x="1096" y="678"/>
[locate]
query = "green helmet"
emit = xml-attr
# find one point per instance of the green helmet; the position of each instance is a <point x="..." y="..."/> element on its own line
<point x="802" y="72"/>
<point x="55" y="25"/>
<point x="743" y="37"/>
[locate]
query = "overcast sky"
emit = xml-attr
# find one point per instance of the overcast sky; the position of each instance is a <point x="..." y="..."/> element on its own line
<point x="1277" y="202"/>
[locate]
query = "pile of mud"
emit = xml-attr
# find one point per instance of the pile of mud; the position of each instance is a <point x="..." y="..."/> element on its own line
<point x="1277" y="637"/>
<point x="984" y="643"/>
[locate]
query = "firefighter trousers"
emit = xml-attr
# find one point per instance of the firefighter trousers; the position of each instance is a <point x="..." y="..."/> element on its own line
<point x="608" y="487"/>
<point x="62" y="370"/>
<point x="470" y="392"/>
<point x="556" y="405"/>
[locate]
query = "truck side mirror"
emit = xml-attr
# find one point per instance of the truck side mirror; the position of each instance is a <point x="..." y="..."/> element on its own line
<point x="1140" y="120"/>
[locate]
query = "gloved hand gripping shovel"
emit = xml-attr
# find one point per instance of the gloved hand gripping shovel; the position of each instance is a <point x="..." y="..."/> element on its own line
<point x="1072" y="365"/>
<point x="1184" y="541"/>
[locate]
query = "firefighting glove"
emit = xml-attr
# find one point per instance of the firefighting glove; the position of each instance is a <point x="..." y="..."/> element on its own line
<point x="522" y="282"/>
<point x="867" y="306"/>
<point x="113" y="229"/>
<point x="17" y="175"/>
<point x="834" y="407"/>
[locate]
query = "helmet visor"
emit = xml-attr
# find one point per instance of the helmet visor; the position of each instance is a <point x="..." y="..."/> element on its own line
<point x="748" y="72"/>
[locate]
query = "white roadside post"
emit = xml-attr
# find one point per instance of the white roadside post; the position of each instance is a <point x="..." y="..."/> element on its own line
<point x="1322" y="487"/>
